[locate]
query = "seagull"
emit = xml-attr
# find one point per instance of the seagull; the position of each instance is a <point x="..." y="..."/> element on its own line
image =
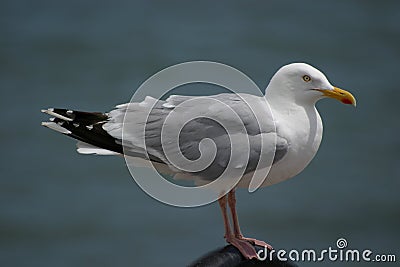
<point x="291" y="94"/>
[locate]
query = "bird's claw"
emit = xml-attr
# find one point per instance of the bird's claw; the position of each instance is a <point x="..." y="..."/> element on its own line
<point x="258" y="242"/>
<point x="246" y="246"/>
<point x="248" y="251"/>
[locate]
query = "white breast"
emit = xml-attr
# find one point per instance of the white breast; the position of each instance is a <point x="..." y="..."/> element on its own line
<point x="302" y="128"/>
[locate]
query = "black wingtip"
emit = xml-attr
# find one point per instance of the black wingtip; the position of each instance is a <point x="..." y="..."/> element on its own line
<point x="83" y="126"/>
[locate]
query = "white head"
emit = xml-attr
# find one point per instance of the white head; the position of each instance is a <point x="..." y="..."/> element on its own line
<point x="304" y="85"/>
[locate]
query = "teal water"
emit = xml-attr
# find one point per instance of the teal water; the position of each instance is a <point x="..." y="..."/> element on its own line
<point x="59" y="208"/>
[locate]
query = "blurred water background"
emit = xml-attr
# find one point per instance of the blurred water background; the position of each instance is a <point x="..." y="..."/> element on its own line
<point x="59" y="208"/>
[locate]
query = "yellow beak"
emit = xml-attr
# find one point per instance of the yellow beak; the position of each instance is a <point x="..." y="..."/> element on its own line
<point x="339" y="94"/>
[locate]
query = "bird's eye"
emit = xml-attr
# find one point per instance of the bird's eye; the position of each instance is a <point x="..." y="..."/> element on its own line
<point x="306" y="78"/>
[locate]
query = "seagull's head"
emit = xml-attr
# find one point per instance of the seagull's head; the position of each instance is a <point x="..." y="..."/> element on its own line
<point x="305" y="84"/>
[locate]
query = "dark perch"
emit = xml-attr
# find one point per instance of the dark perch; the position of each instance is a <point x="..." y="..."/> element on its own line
<point x="229" y="256"/>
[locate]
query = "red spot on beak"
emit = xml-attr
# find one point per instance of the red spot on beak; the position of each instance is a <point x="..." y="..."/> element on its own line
<point x="346" y="101"/>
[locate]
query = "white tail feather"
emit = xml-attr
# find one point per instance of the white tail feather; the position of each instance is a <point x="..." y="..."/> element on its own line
<point x="54" y="126"/>
<point x="52" y="113"/>
<point x="85" y="148"/>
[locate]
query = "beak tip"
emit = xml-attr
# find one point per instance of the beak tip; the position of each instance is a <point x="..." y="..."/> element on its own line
<point x="352" y="102"/>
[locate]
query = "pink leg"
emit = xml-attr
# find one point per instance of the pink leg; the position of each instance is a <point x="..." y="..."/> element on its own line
<point x="236" y="227"/>
<point x="222" y="204"/>
<point x="232" y="206"/>
<point x="244" y="247"/>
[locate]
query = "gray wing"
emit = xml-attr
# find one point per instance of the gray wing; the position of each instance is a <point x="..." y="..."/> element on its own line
<point x="144" y="122"/>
